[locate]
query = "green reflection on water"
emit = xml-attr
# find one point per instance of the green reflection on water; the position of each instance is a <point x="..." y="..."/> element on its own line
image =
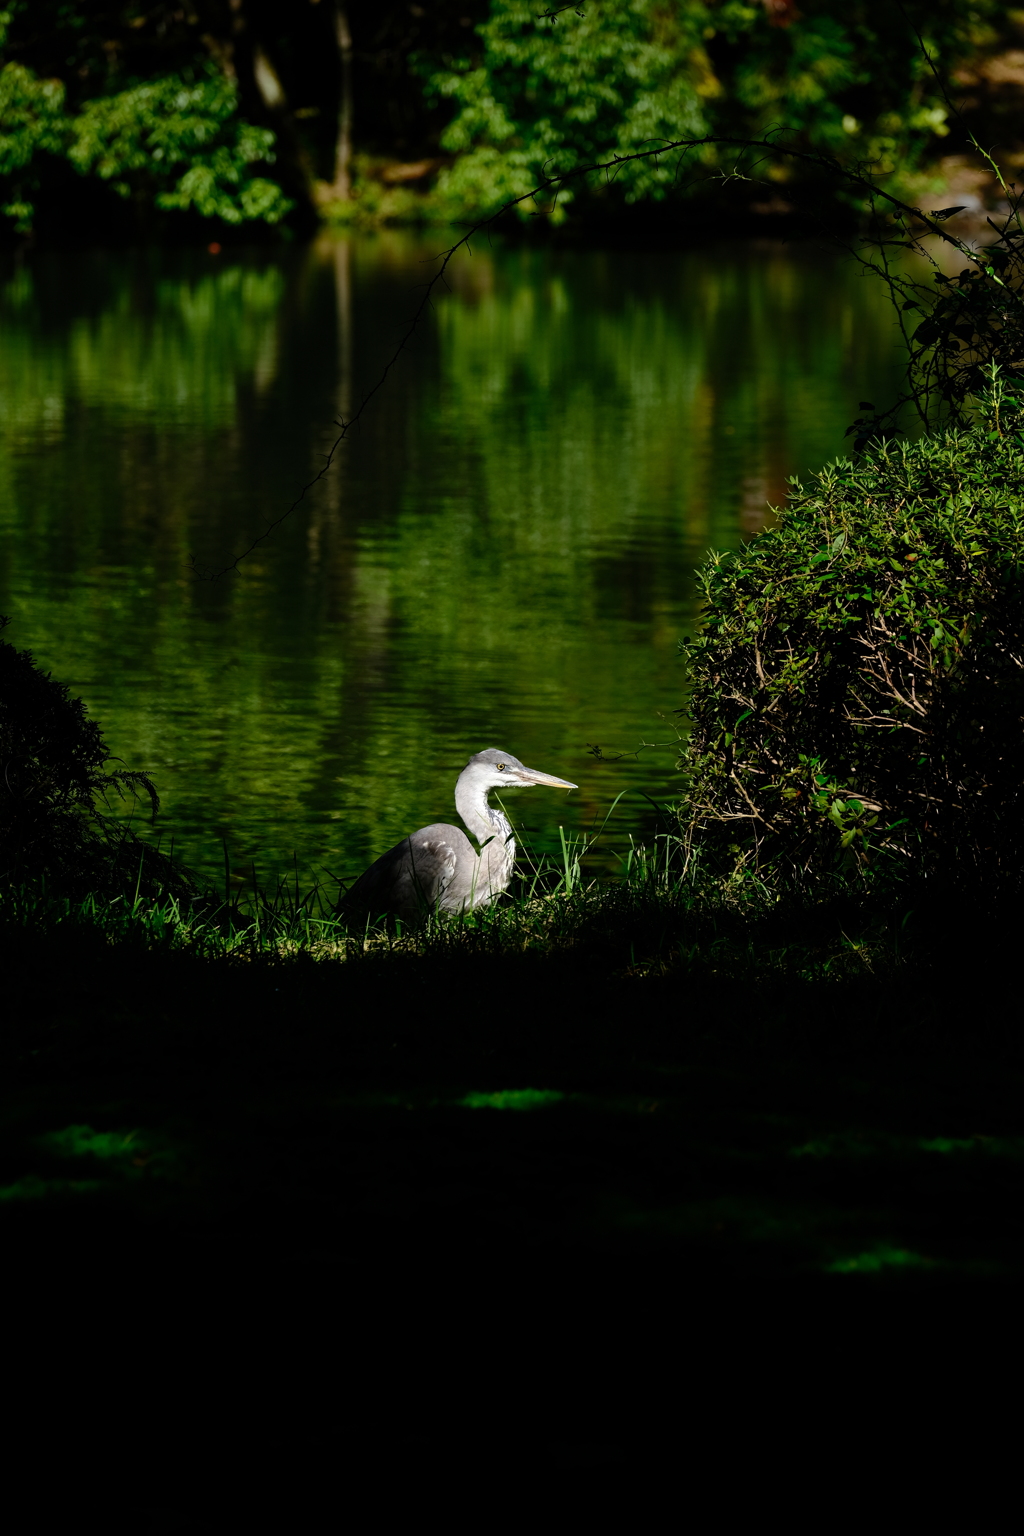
<point x="83" y="1141"/>
<point x="503" y="555"/>
<point x="877" y="1259"/>
<point x="127" y="1155"/>
<point x="514" y="1098"/>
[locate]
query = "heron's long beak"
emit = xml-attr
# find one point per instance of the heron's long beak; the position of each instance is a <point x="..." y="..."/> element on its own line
<point x="531" y="776"/>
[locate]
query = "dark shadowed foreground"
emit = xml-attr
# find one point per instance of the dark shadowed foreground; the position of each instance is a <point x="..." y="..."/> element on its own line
<point x="275" y="1212"/>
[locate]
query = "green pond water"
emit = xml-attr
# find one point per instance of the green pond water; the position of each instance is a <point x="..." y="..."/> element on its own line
<point x="503" y="554"/>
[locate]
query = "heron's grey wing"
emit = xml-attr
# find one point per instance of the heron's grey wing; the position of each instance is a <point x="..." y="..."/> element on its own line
<point x="425" y="871"/>
<point x="410" y="879"/>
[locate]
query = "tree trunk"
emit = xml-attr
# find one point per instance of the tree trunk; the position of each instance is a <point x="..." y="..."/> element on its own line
<point x="343" y="150"/>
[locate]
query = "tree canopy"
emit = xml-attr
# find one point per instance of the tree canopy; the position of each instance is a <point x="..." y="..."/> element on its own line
<point x="171" y="140"/>
<point x="123" y="116"/>
<point x="576" y="87"/>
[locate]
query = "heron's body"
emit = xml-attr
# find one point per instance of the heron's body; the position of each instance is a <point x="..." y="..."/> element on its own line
<point x="438" y="868"/>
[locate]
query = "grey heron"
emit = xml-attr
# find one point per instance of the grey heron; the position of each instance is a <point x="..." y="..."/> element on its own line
<point x="438" y="869"/>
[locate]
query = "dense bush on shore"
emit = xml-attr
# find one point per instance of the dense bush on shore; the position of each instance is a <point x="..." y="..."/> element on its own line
<point x="858" y="685"/>
<point x="53" y="836"/>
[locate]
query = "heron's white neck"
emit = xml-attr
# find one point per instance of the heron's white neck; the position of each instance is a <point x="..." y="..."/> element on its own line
<point x="485" y="821"/>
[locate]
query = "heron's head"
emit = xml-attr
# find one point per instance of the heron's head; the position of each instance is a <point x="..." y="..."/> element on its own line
<point x="500" y="770"/>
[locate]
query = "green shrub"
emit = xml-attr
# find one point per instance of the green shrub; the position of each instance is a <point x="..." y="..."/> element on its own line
<point x="52" y="833"/>
<point x="32" y="125"/>
<point x="180" y="142"/>
<point x="540" y="90"/>
<point x="173" y="142"/>
<point x="606" y="81"/>
<point x="858" y="689"/>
